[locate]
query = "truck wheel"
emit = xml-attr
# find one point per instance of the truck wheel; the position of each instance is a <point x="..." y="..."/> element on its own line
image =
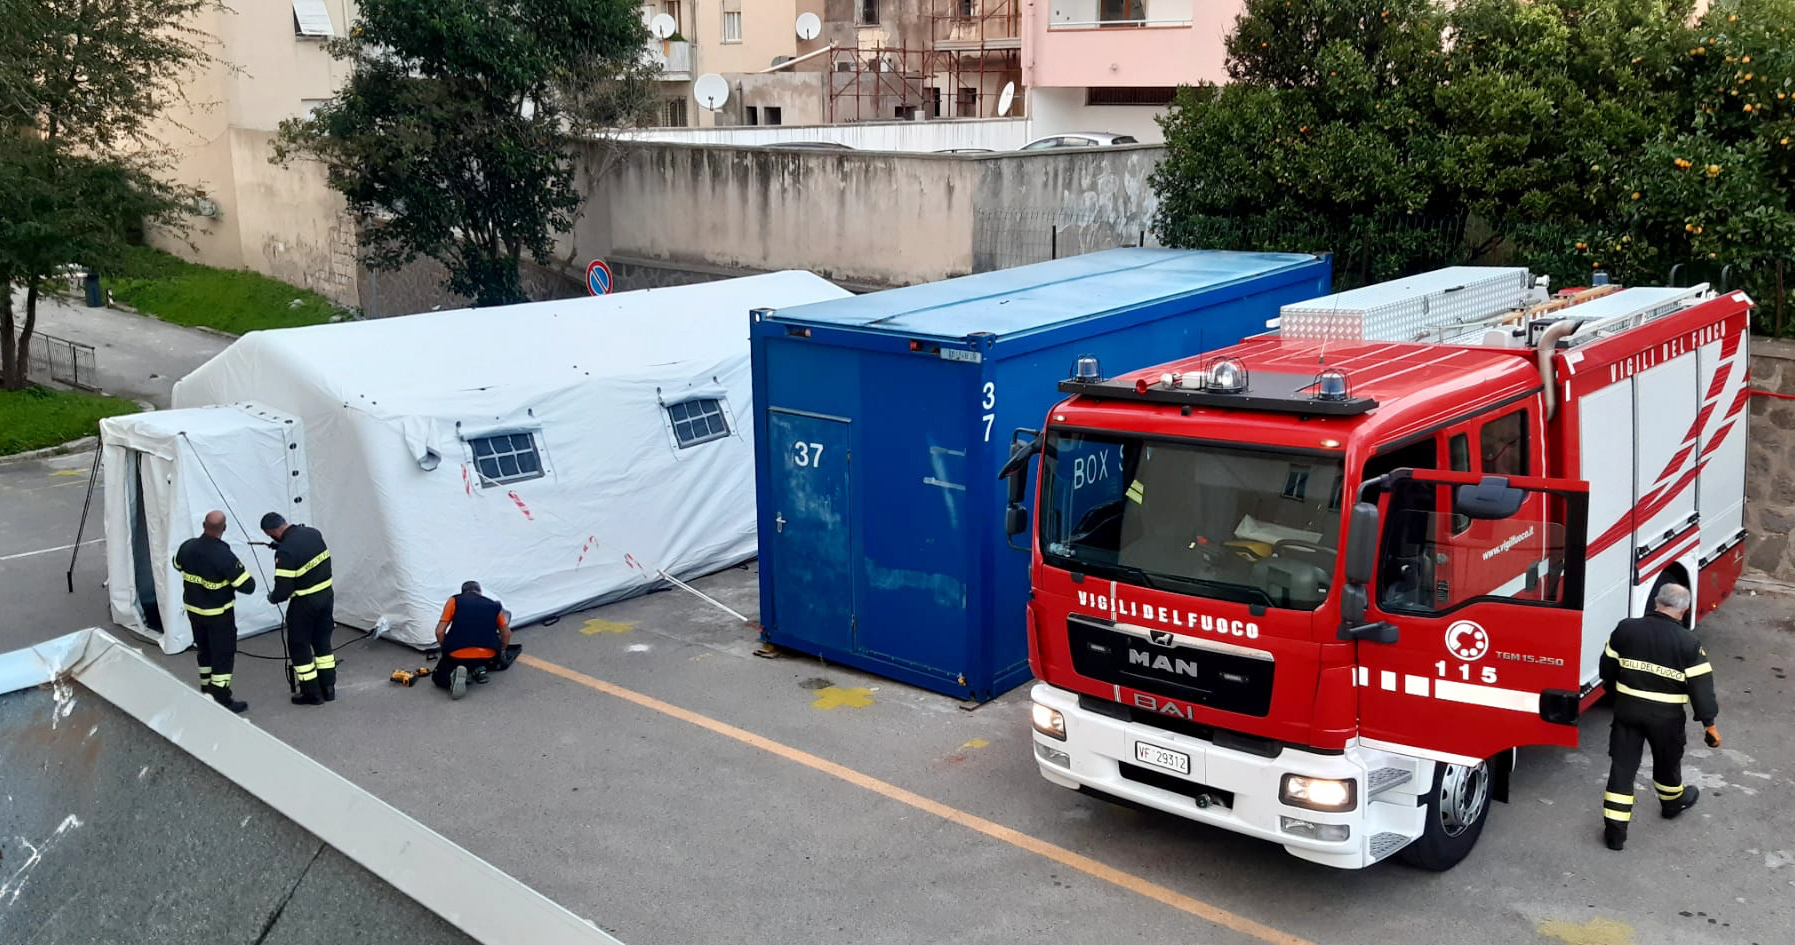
<point x="1456" y="810"/>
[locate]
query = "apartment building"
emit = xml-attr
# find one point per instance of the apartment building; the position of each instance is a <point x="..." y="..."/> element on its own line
<point x="755" y="45"/>
<point x="282" y="222"/>
<point x="1113" y="65"/>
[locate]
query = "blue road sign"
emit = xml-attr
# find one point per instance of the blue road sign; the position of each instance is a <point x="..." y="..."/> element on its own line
<point x="598" y="278"/>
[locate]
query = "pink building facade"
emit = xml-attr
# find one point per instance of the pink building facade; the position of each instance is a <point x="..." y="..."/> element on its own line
<point x="1112" y="65"/>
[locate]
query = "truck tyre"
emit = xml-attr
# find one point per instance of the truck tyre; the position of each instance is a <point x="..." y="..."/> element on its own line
<point x="1457" y="807"/>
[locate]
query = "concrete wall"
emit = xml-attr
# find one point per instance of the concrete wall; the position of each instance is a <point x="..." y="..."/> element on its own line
<point x="996" y="134"/>
<point x="860" y="218"/>
<point x="1770" y="461"/>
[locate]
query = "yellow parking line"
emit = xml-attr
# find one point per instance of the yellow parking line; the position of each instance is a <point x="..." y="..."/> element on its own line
<point x="992" y="829"/>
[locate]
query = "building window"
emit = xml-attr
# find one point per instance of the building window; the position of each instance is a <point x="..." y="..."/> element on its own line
<point x="1155" y="95"/>
<point x="772" y="115"/>
<point x="967" y="8"/>
<point x="676" y="113"/>
<point x="753" y="115"/>
<point x="967" y="106"/>
<point x="310" y="18"/>
<point x="869" y="13"/>
<point x="732" y="27"/>
<point x="506" y="457"/>
<point x="671" y="8"/>
<point x="1122" y="12"/>
<point x="698" y="421"/>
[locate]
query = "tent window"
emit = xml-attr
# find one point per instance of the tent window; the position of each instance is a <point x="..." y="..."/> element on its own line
<point x="507" y="457"/>
<point x="698" y="421"/>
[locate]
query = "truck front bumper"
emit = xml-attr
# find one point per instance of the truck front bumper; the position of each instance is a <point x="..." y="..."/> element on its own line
<point x="1231" y="789"/>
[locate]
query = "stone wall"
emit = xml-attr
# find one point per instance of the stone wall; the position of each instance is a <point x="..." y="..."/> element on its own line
<point x="1770" y="461"/>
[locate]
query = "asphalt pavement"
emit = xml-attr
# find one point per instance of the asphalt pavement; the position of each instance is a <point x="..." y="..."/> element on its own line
<point x="134" y="356"/>
<point x="646" y="769"/>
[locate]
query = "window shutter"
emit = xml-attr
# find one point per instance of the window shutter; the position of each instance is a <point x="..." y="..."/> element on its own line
<point x="310" y="18"/>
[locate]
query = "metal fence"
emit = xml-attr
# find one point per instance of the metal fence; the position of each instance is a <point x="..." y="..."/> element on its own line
<point x="61" y="360"/>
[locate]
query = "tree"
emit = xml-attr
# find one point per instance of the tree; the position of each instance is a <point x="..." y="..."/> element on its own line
<point x="453" y="138"/>
<point x="82" y="84"/>
<point x="1327" y="138"/>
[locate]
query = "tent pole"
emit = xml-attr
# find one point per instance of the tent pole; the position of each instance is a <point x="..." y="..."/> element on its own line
<point x="93" y="474"/>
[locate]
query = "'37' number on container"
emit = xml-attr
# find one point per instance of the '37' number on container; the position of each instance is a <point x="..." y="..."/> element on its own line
<point x="807" y="454"/>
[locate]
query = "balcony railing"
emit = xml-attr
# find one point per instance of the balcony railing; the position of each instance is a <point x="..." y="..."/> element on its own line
<point x="673" y="56"/>
<point x="1105" y="14"/>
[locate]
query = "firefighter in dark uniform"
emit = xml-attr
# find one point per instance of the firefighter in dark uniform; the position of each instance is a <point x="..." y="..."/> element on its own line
<point x="302" y="576"/>
<point x="1655" y="667"/>
<point x="475" y="637"/>
<point x="211" y="578"/>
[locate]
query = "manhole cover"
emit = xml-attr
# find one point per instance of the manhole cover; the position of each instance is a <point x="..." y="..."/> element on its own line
<point x="815" y="682"/>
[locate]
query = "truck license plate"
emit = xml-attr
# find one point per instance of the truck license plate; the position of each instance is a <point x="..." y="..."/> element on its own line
<point x="1162" y="758"/>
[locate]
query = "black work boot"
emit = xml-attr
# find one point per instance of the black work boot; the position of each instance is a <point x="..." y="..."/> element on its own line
<point x="327" y="684"/>
<point x="1614" y="835"/>
<point x="1673" y="808"/>
<point x="222" y="696"/>
<point x="308" y="694"/>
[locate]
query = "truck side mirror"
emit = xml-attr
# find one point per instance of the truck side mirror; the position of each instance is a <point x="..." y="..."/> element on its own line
<point x="1492" y="499"/>
<point x="1015" y="519"/>
<point x="1018" y="486"/>
<point x="1361" y="543"/>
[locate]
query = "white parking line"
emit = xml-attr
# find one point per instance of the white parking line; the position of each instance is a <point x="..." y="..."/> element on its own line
<point x="49" y="551"/>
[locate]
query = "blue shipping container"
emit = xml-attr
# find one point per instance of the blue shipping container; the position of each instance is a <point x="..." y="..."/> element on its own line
<point x="881" y="422"/>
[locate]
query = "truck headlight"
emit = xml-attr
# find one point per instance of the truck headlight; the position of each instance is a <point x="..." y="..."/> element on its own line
<point x="1049" y="722"/>
<point x="1324" y="794"/>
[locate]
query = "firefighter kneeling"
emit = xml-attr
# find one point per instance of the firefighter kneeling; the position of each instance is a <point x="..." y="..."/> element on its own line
<point x="1655" y="667"/>
<point x="475" y="636"/>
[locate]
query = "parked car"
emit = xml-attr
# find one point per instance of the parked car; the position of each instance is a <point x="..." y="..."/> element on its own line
<point x="1079" y="139"/>
<point x="826" y="145"/>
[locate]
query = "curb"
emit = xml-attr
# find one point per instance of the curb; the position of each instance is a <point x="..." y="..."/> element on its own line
<point x="1761" y="583"/>
<point x="72" y="446"/>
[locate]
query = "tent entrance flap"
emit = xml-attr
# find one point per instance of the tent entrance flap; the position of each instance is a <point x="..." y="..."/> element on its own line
<point x="142" y="563"/>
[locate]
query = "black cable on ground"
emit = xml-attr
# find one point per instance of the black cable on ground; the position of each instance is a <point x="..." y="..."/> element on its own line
<point x="292" y="681"/>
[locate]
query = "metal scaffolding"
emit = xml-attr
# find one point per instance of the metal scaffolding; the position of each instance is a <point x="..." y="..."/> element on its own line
<point x="967" y="51"/>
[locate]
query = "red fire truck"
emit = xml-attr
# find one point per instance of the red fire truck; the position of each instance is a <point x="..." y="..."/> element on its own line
<point x="1318" y="587"/>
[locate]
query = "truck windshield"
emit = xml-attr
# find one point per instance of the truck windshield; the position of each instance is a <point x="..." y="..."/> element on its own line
<point x="1219" y="521"/>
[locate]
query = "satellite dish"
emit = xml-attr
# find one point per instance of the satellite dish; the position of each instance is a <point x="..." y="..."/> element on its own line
<point x="663" y="26"/>
<point x="1006" y="98"/>
<point x="711" y="90"/>
<point x="810" y="26"/>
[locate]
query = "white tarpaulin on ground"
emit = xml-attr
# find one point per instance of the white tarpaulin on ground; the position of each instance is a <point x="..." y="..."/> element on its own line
<point x="164" y="470"/>
<point x="560" y="453"/>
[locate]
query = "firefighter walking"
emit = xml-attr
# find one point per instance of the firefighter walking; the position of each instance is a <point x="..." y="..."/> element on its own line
<point x="1655" y="667"/>
<point x="211" y="578"/>
<point x="302" y="576"/>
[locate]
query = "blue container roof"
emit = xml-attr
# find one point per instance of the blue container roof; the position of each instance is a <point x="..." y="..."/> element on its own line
<point x="1026" y="299"/>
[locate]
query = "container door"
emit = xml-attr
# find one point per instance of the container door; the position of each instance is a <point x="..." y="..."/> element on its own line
<point x="813" y="588"/>
<point x="1483" y="581"/>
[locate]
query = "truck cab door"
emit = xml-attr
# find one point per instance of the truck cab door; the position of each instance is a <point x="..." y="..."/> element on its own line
<point x="1481" y="623"/>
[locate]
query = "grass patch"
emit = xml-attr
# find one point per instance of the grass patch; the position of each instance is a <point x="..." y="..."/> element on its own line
<point x="36" y="417"/>
<point x="229" y="300"/>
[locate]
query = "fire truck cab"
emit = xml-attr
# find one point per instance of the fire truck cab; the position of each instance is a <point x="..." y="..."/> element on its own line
<point x="1318" y="587"/>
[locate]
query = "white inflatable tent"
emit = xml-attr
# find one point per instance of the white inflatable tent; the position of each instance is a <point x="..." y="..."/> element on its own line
<point x="561" y="453"/>
<point x="164" y="470"/>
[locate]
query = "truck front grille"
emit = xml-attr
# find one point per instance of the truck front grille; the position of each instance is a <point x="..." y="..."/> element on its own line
<point x="1223" y="681"/>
